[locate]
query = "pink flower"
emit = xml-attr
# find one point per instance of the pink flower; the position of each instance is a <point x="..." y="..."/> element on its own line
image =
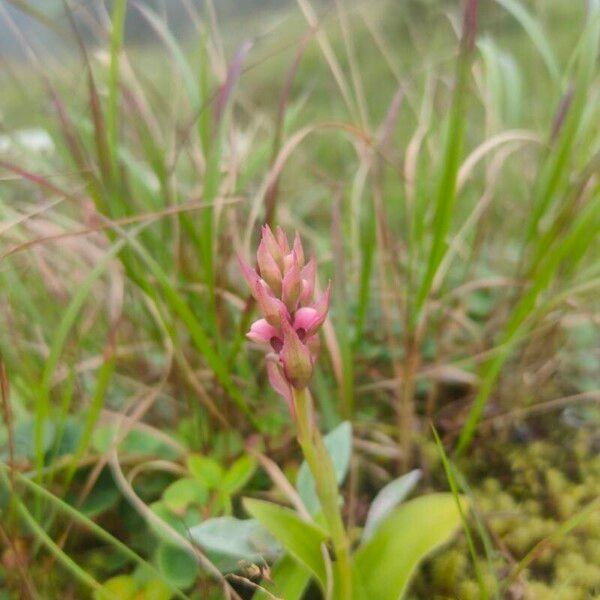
<point x="284" y="291"/>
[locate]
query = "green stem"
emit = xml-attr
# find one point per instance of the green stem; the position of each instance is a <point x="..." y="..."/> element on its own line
<point x="320" y="464"/>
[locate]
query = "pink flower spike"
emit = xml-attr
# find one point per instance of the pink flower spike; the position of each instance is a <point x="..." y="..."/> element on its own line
<point x="272" y="308"/>
<point x="269" y="270"/>
<point x="280" y="385"/>
<point x="295" y="358"/>
<point x="292" y="287"/>
<point x="308" y="274"/>
<point x="262" y="332"/>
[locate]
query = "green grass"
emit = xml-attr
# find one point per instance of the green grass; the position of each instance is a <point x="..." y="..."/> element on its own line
<point x="445" y="177"/>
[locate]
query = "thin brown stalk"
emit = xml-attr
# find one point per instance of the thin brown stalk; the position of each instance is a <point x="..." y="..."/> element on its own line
<point x="109" y="224"/>
<point x="27" y="591"/>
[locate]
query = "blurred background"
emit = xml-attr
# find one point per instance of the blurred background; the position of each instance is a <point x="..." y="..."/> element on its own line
<point x="440" y="158"/>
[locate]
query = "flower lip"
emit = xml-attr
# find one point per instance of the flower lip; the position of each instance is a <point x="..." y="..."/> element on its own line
<point x="262" y="332"/>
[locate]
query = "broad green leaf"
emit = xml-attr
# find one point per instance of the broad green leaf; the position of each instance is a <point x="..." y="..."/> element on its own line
<point x="177" y="565"/>
<point x="387" y="499"/>
<point x="206" y="470"/>
<point x="183" y="492"/>
<point x="238" y="474"/>
<point x="339" y="445"/>
<point x="387" y="561"/>
<point x="227" y="541"/>
<point x="180" y="523"/>
<point x="288" y="579"/>
<point x="24" y="446"/>
<point x="101" y="498"/>
<point x="301" y="539"/>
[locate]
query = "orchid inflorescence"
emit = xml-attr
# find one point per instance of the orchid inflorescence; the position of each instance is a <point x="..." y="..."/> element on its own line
<point x="284" y="292"/>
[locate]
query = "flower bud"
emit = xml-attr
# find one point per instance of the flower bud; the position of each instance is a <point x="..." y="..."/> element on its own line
<point x="273" y="246"/>
<point x="267" y="265"/>
<point x="295" y="358"/>
<point x="309" y="275"/>
<point x="249" y="274"/>
<point x="292" y="287"/>
<point x="282" y="241"/>
<point x="272" y="308"/>
<point x="298" y="250"/>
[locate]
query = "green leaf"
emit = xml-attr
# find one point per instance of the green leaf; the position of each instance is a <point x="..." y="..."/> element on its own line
<point x="238" y="474"/>
<point x="387" y="499"/>
<point x="183" y="492"/>
<point x="228" y="540"/>
<point x="156" y="589"/>
<point x="123" y="587"/>
<point x="288" y="579"/>
<point x="385" y="564"/>
<point x="102" y="498"/>
<point x="177" y="565"/>
<point x="180" y="523"/>
<point x="206" y="470"/>
<point x="339" y="445"/>
<point x="301" y="539"/>
<point x="136" y="442"/>
<point x="532" y="27"/>
<point x="24" y="444"/>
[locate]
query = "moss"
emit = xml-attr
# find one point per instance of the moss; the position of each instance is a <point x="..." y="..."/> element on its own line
<point x="468" y="590"/>
<point x="447" y="571"/>
<point x="576" y="569"/>
<point x="524" y="494"/>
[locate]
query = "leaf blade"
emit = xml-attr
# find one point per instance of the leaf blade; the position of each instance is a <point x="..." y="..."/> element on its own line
<point x="421" y="525"/>
<point x="300" y="538"/>
<point x="387" y="499"/>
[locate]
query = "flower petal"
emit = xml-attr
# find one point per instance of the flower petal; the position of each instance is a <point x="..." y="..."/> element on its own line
<point x="282" y="240"/>
<point x="305" y="317"/>
<point x="309" y="274"/>
<point x="310" y="318"/>
<point x="249" y="274"/>
<point x="269" y="270"/>
<point x="292" y="287"/>
<point x="262" y="332"/>
<point x="298" y="249"/>
<point x="322" y="308"/>
<point x="272" y="245"/>
<point x="272" y="308"/>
